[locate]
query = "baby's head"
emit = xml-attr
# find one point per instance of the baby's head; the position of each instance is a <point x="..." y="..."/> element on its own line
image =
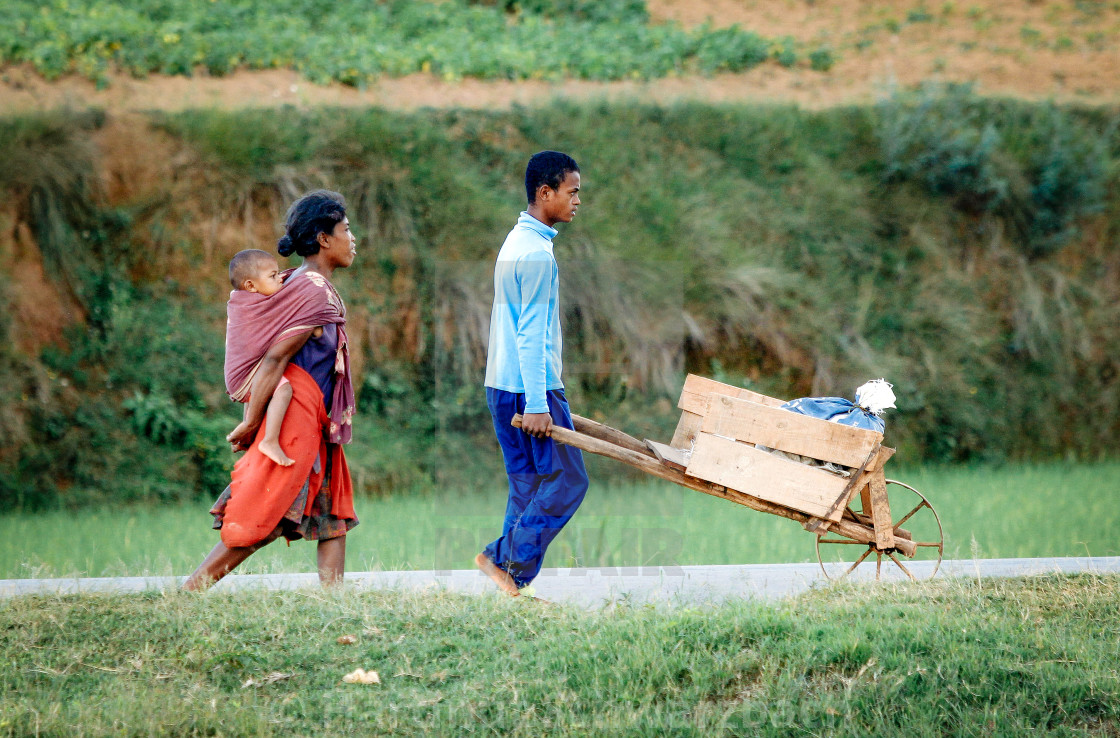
<point x="254" y="270"/>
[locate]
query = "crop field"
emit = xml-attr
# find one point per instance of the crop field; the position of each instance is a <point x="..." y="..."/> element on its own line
<point x="1009" y="512"/>
<point x="356" y="42"/>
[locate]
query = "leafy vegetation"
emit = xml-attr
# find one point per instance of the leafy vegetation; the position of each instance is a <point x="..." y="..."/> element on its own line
<point x="945" y="658"/>
<point x="797" y="253"/>
<point x="355" y="41"/>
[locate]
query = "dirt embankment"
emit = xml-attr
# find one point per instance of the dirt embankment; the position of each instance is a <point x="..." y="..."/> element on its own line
<point x="1067" y="51"/>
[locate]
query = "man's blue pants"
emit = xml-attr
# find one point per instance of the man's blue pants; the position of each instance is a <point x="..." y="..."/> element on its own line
<point x="547" y="482"/>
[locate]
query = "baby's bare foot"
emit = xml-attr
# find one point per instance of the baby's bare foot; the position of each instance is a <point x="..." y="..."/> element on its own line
<point x="272" y="450"/>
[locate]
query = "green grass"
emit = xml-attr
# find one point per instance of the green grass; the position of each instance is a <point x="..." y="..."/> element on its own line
<point x="1009" y="512"/>
<point x="1002" y="657"/>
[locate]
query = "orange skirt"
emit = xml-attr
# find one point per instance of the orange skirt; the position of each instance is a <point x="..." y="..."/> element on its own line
<point x="262" y="494"/>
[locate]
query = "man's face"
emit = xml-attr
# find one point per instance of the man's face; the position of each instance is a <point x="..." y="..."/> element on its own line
<point x="561" y="204"/>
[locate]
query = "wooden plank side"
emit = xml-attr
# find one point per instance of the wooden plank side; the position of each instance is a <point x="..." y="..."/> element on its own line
<point x="674" y="457"/>
<point x="694" y="396"/>
<point x="768" y="477"/>
<point x="687" y="428"/>
<point x="751" y="422"/>
<point x="881" y="511"/>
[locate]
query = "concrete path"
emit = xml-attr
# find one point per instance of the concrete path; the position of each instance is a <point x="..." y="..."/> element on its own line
<point x="593" y="588"/>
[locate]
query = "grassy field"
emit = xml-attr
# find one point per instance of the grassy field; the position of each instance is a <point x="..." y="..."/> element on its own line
<point x="943" y="658"/>
<point x="1014" y="511"/>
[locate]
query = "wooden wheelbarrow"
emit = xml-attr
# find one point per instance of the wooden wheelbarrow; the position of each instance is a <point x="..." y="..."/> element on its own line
<point x="715" y="450"/>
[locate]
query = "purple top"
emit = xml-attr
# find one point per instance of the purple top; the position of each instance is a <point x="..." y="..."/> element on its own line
<point x="317" y="359"/>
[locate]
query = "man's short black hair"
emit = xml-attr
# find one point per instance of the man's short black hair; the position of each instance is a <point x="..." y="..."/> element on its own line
<point x="547" y="168"/>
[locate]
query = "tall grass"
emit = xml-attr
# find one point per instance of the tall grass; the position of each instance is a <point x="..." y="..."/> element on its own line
<point x="1013" y="512"/>
<point x="940" y="659"/>
<point x="760" y="242"/>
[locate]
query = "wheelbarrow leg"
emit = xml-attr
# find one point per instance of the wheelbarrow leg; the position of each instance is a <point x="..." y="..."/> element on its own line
<point x="880" y="511"/>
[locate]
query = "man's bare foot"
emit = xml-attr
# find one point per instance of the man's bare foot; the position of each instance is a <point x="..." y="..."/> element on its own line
<point x="272" y="450"/>
<point x="501" y="578"/>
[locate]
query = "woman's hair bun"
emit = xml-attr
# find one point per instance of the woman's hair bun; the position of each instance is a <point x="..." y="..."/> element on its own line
<point x="319" y="211"/>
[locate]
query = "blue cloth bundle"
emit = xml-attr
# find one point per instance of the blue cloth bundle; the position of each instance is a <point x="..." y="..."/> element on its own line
<point x="836" y="410"/>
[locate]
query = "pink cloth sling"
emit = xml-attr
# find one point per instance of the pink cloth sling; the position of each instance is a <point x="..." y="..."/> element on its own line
<point x="254" y="323"/>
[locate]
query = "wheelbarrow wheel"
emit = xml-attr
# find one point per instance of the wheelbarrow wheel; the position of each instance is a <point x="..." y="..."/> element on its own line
<point x="840" y="557"/>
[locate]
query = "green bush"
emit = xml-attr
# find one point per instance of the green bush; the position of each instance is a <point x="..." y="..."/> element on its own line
<point x="731" y="50"/>
<point x="919" y="15"/>
<point x="828" y="231"/>
<point x="69" y="441"/>
<point x="130" y="409"/>
<point x="1043" y="170"/>
<point x="786" y="54"/>
<point x="157" y="418"/>
<point x="822" y="59"/>
<point x="940" y="138"/>
<point x="1067" y="171"/>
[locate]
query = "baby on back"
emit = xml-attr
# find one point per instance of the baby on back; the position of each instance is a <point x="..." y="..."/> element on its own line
<point x="253" y="270"/>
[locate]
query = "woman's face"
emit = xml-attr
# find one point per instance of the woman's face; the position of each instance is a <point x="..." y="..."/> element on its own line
<point x="341" y="244"/>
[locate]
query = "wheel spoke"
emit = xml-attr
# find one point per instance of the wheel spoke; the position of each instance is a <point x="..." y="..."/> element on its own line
<point x="904" y="569"/>
<point x="858" y="562"/>
<point x="910" y="514"/>
<point x="931" y="544"/>
<point x="878" y="565"/>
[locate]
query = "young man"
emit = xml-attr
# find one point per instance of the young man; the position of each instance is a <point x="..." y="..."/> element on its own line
<point x="547" y="480"/>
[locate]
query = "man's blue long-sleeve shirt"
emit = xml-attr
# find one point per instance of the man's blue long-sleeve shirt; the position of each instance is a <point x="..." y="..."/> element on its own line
<point x="525" y="341"/>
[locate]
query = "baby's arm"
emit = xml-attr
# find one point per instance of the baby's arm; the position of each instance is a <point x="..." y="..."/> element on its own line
<point x="264" y="384"/>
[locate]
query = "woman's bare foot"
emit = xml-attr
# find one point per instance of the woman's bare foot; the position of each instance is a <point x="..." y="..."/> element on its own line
<point x="501" y="578"/>
<point x="272" y="450"/>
